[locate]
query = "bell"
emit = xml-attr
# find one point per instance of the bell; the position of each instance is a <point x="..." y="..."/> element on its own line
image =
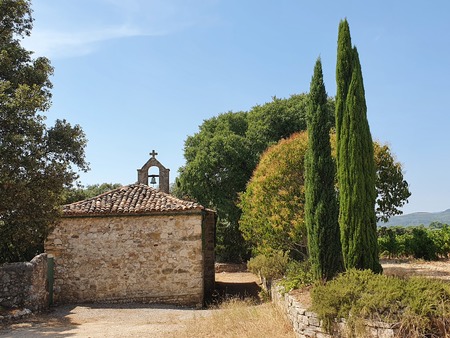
<point x="153" y="180"/>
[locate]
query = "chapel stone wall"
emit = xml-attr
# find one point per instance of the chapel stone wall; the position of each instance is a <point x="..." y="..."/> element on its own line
<point x="149" y="259"/>
<point x="209" y="222"/>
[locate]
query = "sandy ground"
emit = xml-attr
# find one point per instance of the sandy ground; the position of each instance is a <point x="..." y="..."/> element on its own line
<point x="126" y="320"/>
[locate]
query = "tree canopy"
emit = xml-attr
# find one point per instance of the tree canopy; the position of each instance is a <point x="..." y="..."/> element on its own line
<point x="221" y="157"/>
<point x="36" y="161"/>
<point x="273" y="214"/>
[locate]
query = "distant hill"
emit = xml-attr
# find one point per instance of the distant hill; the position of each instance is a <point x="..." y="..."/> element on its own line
<point x="418" y="218"/>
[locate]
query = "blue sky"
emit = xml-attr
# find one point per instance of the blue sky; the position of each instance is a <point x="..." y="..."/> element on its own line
<point x="139" y="75"/>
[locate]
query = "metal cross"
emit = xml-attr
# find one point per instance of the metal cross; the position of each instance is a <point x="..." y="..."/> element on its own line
<point x="153" y="153"/>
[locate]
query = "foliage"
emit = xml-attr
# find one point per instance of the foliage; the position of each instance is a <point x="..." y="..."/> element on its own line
<point x="355" y="158"/>
<point x="221" y="157"/>
<point x="427" y="243"/>
<point x="321" y="208"/>
<point x="421" y="245"/>
<point x="280" y="119"/>
<point x="392" y="189"/>
<point x="297" y="275"/>
<point x="36" y="161"/>
<point x="441" y="239"/>
<point x="420" y="306"/>
<point x="218" y="161"/>
<point x="273" y="203"/>
<point x="270" y="266"/>
<point x="79" y="193"/>
<point x="230" y="246"/>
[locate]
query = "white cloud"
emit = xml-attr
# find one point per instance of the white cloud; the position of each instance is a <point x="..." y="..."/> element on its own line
<point x="63" y="44"/>
<point x="64" y="30"/>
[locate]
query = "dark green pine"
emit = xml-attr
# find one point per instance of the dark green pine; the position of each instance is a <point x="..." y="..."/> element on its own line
<point x="321" y="208"/>
<point x="356" y="177"/>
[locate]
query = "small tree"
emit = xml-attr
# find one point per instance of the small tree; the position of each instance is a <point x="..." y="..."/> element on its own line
<point x="321" y="209"/>
<point x="273" y="203"/>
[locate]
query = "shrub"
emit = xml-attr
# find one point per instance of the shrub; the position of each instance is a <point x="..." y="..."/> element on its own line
<point x="271" y="266"/>
<point x="422" y="246"/>
<point x="298" y="275"/>
<point x="420" y="306"/>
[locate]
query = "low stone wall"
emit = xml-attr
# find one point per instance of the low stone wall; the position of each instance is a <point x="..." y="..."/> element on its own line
<point x="25" y="284"/>
<point x="306" y="324"/>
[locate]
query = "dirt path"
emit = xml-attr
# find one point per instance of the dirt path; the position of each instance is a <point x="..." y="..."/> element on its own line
<point x="127" y="320"/>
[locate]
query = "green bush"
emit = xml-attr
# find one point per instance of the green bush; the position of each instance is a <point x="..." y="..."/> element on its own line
<point x="420" y="306"/>
<point x="297" y="275"/>
<point x="271" y="266"/>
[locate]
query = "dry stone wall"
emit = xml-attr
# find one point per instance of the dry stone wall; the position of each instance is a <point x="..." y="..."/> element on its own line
<point x="306" y="324"/>
<point x="149" y="258"/>
<point x="24" y="284"/>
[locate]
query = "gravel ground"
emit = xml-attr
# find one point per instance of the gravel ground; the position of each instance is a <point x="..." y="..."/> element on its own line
<point x="106" y="321"/>
<point x="125" y="320"/>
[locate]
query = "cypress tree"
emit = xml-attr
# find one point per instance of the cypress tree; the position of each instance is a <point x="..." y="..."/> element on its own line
<point x="356" y="167"/>
<point x="343" y="72"/>
<point x="321" y="208"/>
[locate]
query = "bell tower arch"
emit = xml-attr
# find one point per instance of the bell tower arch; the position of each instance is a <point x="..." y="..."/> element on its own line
<point x="163" y="173"/>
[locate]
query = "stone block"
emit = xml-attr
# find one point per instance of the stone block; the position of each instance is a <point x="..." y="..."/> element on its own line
<point x="385" y="333"/>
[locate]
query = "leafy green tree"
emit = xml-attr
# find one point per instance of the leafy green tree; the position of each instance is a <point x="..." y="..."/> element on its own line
<point x="356" y="167"/>
<point x="221" y="157"/>
<point x="321" y="208"/>
<point x="36" y="161"/>
<point x="218" y="162"/>
<point x="392" y="190"/>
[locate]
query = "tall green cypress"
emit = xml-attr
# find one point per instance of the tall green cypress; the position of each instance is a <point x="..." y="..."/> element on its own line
<point x="343" y="72"/>
<point x="321" y="208"/>
<point x="356" y="167"/>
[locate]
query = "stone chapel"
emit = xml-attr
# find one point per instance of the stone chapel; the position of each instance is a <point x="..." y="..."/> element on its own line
<point x="134" y="244"/>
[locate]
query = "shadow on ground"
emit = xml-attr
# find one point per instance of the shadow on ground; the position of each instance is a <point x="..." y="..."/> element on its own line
<point x="53" y="323"/>
<point x="225" y="290"/>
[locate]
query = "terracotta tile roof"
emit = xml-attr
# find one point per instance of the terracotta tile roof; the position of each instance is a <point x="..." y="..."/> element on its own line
<point x="130" y="199"/>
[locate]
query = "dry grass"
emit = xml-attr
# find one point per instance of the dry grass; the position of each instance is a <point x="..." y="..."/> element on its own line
<point x="413" y="267"/>
<point x="240" y="319"/>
